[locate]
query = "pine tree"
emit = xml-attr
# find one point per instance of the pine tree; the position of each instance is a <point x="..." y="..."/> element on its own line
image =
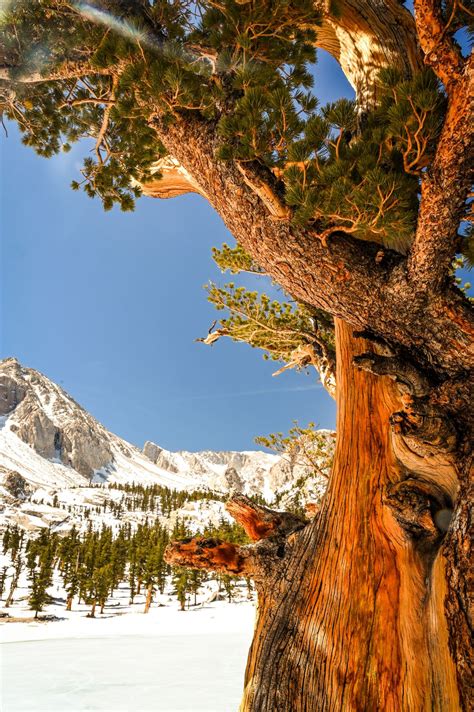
<point x="196" y="579"/>
<point x="3" y="578"/>
<point x="302" y="446"/>
<point x="6" y="539"/>
<point x="181" y="583"/>
<point x="354" y="208"/>
<point x="40" y="562"/>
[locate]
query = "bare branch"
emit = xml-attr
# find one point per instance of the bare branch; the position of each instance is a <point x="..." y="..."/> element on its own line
<point x="260" y="522"/>
<point x="212" y="555"/>
<point x="105" y="118"/>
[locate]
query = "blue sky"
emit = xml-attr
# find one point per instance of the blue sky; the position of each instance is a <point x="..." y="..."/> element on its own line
<point x="108" y="305"/>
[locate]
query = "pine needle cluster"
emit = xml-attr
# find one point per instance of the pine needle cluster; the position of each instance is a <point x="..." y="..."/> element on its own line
<point x="281" y="329"/>
<point x="244" y="67"/>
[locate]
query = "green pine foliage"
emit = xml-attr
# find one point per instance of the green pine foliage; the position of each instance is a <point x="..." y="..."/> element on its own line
<point x="234" y="260"/>
<point x="117" y="68"/>
<point x="359" y="175"/>
<point x="275" y="327"/>
<point x="40" y="563"/>
<point x="304" y="446"/>
<point x="3" y="579"/>
<point x="280" y="329"/>
<point x="182" y="585"/>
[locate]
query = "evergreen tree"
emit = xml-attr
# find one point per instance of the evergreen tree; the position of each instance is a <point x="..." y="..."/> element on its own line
<point x="196" y="579"/>
<point x="40" y="562"/>
<point x="302" y="446"/>
<point x="6" y="539"/>
<point x="181" y="583"/>
<point x="354" y="208"/>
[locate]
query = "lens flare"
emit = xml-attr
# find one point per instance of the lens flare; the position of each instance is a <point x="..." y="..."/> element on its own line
<point x="122" y="27"/>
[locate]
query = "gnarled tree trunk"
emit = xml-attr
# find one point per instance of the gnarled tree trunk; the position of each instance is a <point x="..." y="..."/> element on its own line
<point x="352" y="617"/>
<point x="351" y="609"/>
<point x="366" y="607"/>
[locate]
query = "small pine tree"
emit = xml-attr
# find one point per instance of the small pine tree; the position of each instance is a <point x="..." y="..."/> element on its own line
<point x="181" y="583"/>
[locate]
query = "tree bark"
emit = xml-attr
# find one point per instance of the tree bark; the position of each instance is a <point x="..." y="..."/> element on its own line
<point x="366" y="36"/>
<point x="351" y="279"/>
<point x="354" y="606"/>
<point x="352" y="618"/>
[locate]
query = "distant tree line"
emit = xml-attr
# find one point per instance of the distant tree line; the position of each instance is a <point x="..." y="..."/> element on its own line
<point x="92" y="564"/>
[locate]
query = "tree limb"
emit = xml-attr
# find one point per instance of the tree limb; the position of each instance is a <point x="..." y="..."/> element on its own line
<point x="261" y="522"/>
<point x="212" y="555"/>
<point x="68" y="70"/>
<point x="345" y="279"/>
<point x="268" y="528"/>
<point x="444" y="189"/>
<point x="440" y="50"/>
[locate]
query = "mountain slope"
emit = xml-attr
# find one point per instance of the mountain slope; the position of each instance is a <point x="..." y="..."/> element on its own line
<point x="51" y="447"/>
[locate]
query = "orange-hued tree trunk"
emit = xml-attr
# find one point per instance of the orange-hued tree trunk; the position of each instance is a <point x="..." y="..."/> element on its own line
<point x="350" y="606"/>
<point x="354" y="618"/>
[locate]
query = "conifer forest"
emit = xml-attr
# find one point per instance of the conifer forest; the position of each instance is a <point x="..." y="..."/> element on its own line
<point x="358" y="213"/>
<point x="92" y="563"/>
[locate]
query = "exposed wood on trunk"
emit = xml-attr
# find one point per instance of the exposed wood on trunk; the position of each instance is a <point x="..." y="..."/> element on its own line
<point x="261" y="522"/>
<point x="171" y="180"/>
<point x="366" y="36"/>
<point x="353" y="617"/>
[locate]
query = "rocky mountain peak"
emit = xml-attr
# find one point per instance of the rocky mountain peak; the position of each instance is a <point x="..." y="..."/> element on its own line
<point x="49" y="421"/>
<point x="50" y="444"/>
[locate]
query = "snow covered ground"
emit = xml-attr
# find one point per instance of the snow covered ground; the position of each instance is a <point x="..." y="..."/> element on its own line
<point x="165" y="661"/>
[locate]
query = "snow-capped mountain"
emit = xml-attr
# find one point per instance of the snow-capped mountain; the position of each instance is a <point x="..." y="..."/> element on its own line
<point x="53" y="449"/>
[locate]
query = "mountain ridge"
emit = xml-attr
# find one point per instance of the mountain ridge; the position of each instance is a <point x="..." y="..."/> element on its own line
<point x="50" y="444"/>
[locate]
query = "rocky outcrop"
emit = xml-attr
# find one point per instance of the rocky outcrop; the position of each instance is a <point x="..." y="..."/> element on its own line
<point x="156" y="454"/>
<point x="51" y="422"/>
<point x="12" y="391"/>
<point x="289" y="479"/>
<point x="15" y="484"/>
